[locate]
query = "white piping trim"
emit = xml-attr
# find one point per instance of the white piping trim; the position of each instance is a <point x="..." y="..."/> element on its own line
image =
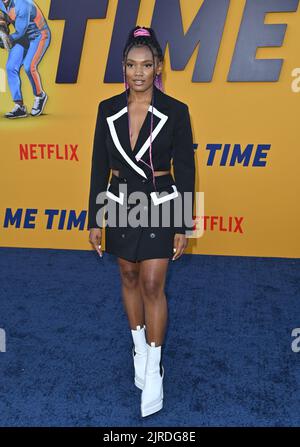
<point x="158" y="200"/>
<point x="114" y="197"/>
<point x="110" y="120"/>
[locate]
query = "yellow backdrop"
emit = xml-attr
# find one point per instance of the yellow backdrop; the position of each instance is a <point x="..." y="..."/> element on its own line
<point x="264" y="200"/>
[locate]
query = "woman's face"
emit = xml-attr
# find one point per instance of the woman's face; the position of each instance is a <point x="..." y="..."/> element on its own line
<point x="139" y="68"/>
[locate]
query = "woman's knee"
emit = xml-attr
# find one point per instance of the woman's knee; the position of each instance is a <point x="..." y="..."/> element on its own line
<point x="130" y="278"/>
<point x="151" y="288"/>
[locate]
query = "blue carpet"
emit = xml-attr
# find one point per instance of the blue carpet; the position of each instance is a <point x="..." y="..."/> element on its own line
<point x="227" y="354"/>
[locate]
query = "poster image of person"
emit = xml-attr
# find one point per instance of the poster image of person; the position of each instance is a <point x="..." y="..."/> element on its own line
<point x="26" y="46"/>
<point x="4" y="32"/>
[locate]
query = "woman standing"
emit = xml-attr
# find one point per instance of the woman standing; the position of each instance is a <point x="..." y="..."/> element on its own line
<point x="138" y="133"/>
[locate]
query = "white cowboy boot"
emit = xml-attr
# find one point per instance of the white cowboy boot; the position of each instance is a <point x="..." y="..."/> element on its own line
<point x="152" y="395"/>
<point x="139" y="353"/>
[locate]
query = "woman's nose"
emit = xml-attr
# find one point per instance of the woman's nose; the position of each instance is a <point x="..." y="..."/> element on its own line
<point x="138" y="71"/>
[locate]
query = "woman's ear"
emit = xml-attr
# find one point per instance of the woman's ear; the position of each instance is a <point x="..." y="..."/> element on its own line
<point x="159" y="68"/>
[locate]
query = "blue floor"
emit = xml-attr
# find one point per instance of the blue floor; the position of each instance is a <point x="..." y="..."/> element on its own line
<point x="227" y="354"/>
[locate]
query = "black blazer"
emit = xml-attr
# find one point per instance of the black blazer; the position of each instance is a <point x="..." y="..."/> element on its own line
<point x="171" y="140"/>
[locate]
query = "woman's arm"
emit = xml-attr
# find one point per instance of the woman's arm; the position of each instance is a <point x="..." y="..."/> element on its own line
<point x="184" y="165"/>
<point x="99" y="168"/>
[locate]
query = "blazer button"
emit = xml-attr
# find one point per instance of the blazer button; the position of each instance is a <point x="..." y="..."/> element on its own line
<point x="123" y="235"/>
<point x="144" y="180"/>
<point x="152" y="235"/>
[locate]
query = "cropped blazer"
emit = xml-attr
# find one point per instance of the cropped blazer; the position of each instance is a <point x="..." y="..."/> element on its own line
<point x="172" y="142"/>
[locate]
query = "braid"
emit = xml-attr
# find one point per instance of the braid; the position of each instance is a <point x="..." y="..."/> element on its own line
<point x="142" y="36"/>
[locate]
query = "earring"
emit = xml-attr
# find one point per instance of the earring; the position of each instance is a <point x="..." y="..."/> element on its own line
<point x="158" y="82"/>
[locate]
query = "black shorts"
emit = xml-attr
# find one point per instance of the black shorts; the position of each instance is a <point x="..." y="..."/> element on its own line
<point x="127" y="234"/>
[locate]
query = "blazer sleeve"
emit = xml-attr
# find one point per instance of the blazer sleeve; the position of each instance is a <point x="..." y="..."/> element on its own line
<point x="184" y="167"/>
<point x="100" y="169"/>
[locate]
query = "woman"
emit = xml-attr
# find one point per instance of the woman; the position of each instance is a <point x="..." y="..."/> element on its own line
<point x="137" y="134"/>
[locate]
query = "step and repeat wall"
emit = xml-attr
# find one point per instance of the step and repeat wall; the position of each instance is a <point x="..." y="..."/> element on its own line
<point x="237" y="66"/>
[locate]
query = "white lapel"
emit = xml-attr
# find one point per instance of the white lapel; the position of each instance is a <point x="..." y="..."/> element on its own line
<point x="135" y="157"/>
<point x="114" y="135"/>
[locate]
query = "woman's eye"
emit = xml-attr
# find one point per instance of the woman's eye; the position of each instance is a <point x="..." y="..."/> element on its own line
<point x="146" y="65"/>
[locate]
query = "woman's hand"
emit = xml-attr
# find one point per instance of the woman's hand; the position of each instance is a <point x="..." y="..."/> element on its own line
<point x="95" y="239"/>
<point x="180" y="243"/>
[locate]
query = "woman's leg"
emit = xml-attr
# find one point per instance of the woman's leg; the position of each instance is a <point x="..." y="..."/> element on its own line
<point x="131" y="294"/>
<point x="152" y="278"/>
<point x="152" y="282"/>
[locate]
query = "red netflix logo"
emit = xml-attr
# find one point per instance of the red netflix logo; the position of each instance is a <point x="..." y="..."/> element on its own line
<point x="48" y="151"/>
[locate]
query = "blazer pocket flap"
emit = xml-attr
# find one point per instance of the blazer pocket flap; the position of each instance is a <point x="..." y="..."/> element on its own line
<point x="113" y="193"/>
<point x="168" y="193"/>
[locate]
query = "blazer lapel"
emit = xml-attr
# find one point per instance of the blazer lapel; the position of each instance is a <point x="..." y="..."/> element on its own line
<point x="118" y="125"/>
<point x="143" y="142"/>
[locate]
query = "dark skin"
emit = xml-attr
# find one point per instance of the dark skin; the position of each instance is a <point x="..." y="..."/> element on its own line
<point x="143" y="282"/>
